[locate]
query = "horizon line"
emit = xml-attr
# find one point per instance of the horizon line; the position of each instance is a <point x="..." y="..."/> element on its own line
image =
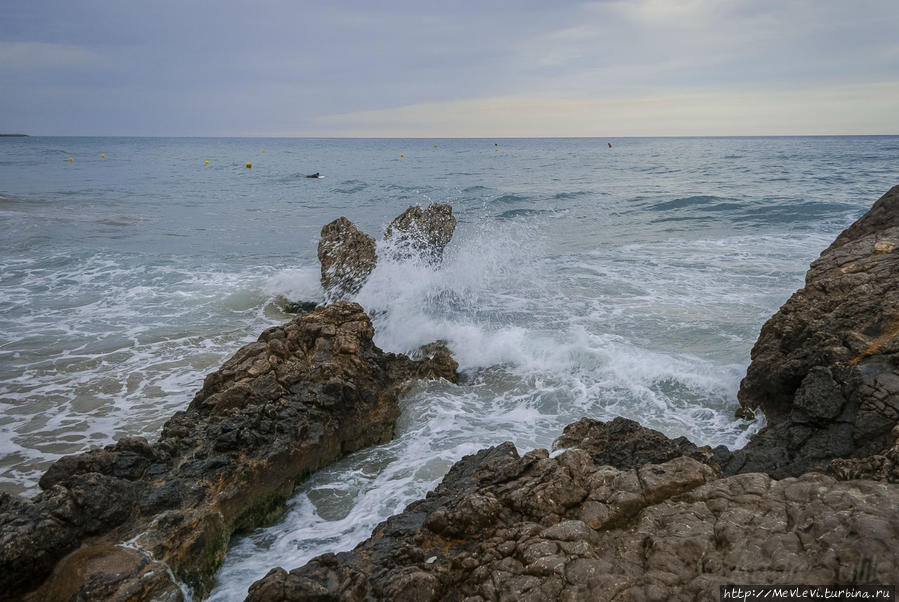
<point x="288" y="137"/>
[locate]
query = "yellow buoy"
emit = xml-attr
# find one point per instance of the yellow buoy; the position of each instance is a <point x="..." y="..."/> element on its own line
<point x="71" y="159"/>
<point x="263" y="150"/>
<point x="207" y="163"/>
<point x="249" y="165"/>
<point x="402" y="155"/>
<point x="435" y="146"/>
<point x="102" y="156"/>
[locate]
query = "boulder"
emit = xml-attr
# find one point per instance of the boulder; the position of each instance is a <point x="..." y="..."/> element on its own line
<point x="347" y="256"/>
<point x="303" y="395"/>
<point x="624" y="444"/>
<point x="421" y="232"/>
<point x="825" y="369"/>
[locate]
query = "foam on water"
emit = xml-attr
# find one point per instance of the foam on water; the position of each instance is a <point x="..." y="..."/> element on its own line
<point x="130" y="348"/>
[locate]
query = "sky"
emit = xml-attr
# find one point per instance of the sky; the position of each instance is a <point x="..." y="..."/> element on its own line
<point x="387" y="68"/>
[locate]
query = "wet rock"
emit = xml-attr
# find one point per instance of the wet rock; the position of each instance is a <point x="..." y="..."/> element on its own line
<point x="507" y="527"/>
<point x="421" y="232"/>
<point x="624" y="443"/>
<point x="299" y="307"/>
<point x="303" y="395"/>
<point x="347" y="257"/>
<point x="825" y="369"/>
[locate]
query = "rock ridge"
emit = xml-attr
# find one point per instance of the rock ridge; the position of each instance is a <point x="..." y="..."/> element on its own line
<point x="112" y="523"/>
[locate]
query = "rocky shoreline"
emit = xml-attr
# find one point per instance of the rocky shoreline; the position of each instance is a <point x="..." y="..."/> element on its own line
<point x="624" y="513"/>
<point x="621" y="512"/>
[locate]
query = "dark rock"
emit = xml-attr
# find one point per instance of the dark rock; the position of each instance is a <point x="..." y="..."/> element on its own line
<point x="347" y="257"/>
<point x="421" y="232"/>
<point x="624" y="444"/>
<point x="825" y="369"/>
<point x="299" y="307"/>
<point x="505" y="527"/>
<point x="302" y="396"/>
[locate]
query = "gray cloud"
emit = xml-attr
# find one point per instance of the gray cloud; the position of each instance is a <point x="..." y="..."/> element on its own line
<point x="285" y="68"/>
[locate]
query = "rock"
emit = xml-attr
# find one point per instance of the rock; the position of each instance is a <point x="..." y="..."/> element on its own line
<point x="505" y="527"/>
<point x="624" y="444"/>
<point x="303" y="395"/>
<point x="421" y="232"/>
<point x="298" y="307"/>
<point x="347" y="257"/>
<point x="825" y="369"/>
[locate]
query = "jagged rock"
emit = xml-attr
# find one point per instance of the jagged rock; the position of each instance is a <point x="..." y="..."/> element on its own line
<point x="535" y="528"/>
<point x="347" y="257"/>
<point x="421" y="232"/>
<point x="624" y="444"/>
<point x="303" y="395"/>
<point x="298" y="307"/>
<point x="825" y="369"/>
<point x="879" y="467"/>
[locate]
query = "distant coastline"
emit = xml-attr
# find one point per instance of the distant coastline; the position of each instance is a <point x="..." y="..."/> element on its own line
<point x="13" y="135"/>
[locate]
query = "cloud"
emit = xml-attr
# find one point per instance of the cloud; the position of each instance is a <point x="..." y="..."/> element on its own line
<point x="35" y="56"/>
<point x="851" y="109"/>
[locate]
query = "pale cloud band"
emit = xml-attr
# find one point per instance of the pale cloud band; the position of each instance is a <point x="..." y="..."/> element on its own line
<point x="835" y="110"/>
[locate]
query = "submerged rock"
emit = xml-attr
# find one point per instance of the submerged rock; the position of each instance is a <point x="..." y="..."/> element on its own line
<point x="303" y="395"/>
<point x="825" y="369"/>
<point x="347" y="256"/>
<point x="298" y="307"/>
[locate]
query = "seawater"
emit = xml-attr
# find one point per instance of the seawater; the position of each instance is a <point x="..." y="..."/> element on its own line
<point x="582" y="280"/>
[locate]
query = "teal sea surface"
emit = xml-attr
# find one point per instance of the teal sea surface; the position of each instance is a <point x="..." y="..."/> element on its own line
<point x="582" y="280"/>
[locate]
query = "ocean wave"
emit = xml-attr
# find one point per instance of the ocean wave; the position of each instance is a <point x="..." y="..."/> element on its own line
<point x="688" y="202"/>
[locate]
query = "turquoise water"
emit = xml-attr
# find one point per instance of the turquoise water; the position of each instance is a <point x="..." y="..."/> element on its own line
<point x="582" y="280"/>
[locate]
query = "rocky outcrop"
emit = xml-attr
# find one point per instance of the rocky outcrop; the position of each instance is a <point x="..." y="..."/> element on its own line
<point x="627" y="514"/>
<point x="625" y="444"/>
<point x="504" y="527"/>
<point x="421" y="232"/>
<point x="110" y="523"/>
<point x="348" y="256"/>
<point x="825" y="369"/>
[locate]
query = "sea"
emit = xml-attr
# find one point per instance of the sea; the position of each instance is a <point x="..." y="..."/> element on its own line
<point x="586" y="277"/>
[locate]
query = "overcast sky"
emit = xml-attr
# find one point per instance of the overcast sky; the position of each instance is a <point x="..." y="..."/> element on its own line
<point x="435" y="69"/>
